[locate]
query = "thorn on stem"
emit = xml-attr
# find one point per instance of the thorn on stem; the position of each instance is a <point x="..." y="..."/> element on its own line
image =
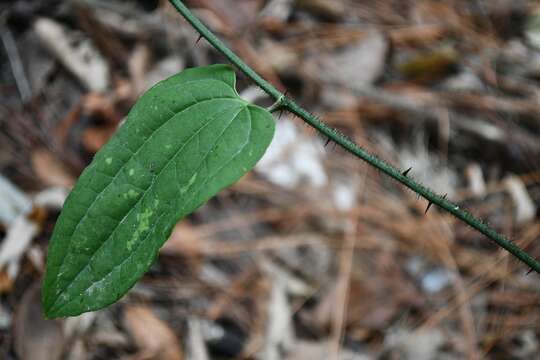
<point x="406" y="172"/>
<point x="198" y="39"/>
<point x="327" y="142"/>
<point x="428" y="206"/>
<point x="530" y="271"/>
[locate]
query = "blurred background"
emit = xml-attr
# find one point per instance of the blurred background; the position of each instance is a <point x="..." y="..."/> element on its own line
<point x="312" y="255"/>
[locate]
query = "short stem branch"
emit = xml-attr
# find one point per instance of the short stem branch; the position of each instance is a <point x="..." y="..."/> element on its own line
<point x="277" y="105"/>
<point x="284" y="102"/>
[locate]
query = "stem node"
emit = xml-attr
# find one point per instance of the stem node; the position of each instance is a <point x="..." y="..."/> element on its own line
<point x="278" y="104"/>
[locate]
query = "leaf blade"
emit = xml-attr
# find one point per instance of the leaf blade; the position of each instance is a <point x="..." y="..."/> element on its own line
<point x="161" y="165"/>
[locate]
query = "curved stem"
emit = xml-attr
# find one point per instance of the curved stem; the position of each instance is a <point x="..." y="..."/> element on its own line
<point x="341" y="140"/>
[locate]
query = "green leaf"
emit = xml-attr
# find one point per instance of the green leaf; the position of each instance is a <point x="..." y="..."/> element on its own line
<point x="187" y="138"/>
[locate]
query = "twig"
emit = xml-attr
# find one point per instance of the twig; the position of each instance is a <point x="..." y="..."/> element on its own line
<point x="16" y="64"/>
<point x="343" y="287"/>
<point x="350" y="146"/>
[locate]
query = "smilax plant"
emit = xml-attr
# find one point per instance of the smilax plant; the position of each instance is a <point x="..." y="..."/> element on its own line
<point x="184" y="140"/>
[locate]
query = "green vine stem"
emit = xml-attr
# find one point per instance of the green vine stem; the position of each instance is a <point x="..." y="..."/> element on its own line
<point x="283" y="102"/>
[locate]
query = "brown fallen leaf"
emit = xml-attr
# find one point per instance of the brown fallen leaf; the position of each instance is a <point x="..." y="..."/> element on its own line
<point x="438" y="12"/>
<point x="330" y="9"/>
<point x="151" y="335"/>
<point x="35" y="337"/>
<point x="50" y="169"/>
<point x="96" y="104"/>
<point x="418" y="35"/>
<point x="6" y="282"/>
<point x="431" y="66"/>
<point x="96" y="136"/>
<point x="184" y="240"/>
